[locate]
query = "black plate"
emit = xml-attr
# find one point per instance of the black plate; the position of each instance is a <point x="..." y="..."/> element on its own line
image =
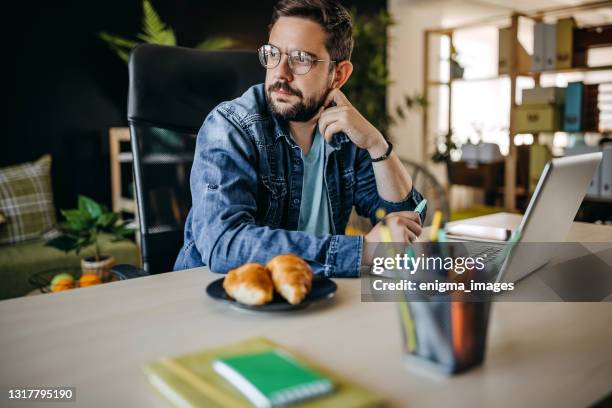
<point x="322" y="288"/>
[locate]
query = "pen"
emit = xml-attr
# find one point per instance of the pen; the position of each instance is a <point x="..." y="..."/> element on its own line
<point x="435" y="225"/>
<point x="406" y="315"/>
<point x="421" y="206"/>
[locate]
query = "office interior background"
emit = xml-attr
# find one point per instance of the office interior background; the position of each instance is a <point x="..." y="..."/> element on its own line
<point x="445" y="97"/>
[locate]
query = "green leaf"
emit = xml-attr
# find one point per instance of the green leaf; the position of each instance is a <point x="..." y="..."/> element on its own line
<point x="77" y="219"/>
<point x="216" y="43"/>
<point x="154" y="29"/>
<point x="122" y="232"/>
<point x="120" y="45"/>
<point x="88" y="205"/>
<point x="63" y="243"/>
<point x="108" y="219"/>
<point x="116" y="40"/>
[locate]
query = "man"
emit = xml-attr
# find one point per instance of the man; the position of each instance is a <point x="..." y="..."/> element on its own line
<point x="279" y="169"/>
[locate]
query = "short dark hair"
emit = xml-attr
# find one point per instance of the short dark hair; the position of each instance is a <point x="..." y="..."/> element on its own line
<point x="331" y="15"/>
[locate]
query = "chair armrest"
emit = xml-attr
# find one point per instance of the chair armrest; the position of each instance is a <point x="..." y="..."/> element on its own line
<point x="125" y="271"/>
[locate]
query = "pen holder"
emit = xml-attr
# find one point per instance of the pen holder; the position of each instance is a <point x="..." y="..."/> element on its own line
<point x="445" y="337"/>
<point x="443" y="333"/>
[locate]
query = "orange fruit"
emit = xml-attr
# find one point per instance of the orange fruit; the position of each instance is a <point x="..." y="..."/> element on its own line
<point x="62" y="281"/>
<point x="89" y="279"/>
<point x="62" y="285"/>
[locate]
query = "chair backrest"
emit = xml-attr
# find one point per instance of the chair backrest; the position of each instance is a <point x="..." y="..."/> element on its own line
<point x="172" y="90"/>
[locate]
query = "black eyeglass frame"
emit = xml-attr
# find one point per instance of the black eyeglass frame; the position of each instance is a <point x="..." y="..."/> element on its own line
<point x="290" y="57"/>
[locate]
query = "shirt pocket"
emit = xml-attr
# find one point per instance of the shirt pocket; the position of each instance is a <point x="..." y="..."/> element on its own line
<point x="276" y="190"/>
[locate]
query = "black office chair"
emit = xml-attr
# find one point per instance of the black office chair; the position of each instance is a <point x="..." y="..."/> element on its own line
<point x="172" y="89"/>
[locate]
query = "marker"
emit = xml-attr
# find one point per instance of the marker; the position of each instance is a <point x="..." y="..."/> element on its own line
<point x="419" y="208"/>
<point x="406" y="315"/>
<point x="435" y="225"/>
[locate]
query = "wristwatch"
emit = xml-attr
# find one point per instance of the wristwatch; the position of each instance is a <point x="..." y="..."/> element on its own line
<point x="384" y="156"/>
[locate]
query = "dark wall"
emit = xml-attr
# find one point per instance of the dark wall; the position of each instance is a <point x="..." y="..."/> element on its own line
<point x="66" y="87"/>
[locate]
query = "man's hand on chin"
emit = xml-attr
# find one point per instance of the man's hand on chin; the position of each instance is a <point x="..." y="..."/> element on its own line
<point x="344" y="117"/>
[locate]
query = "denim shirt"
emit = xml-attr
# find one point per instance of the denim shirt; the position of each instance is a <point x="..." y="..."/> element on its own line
<point x="246" y="186"/>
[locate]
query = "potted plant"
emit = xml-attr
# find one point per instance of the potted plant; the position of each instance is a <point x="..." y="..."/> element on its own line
<point x="457" y="69"/>
<point x="367" y="87"/>
<point x="155" y="31"/>
<point x="82" y="228"/>
<point x="445" y="148"/>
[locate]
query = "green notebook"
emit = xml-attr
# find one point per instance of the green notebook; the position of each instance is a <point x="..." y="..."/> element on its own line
<point x="272" y="378"/>
<point x="190" y="380"/>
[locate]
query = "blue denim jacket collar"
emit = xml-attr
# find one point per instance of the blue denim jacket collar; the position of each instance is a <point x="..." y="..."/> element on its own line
<point x="282" y="131"/>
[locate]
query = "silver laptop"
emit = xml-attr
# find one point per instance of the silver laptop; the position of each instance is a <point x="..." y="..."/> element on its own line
<point x="549" y="216"/>
<point x="550" y="213"/>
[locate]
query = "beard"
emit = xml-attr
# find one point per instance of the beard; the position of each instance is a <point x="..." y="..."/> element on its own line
<point x="302" y="111"/>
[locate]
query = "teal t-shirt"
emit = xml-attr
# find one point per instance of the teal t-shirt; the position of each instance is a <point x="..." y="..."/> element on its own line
<point x="314" y="209"/>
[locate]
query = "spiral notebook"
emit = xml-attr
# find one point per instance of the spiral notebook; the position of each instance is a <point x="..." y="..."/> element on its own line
<point x="191" y="380"/>
<point x="272" y="378"/>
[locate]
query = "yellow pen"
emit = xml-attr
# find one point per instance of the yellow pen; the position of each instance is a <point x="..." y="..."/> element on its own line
<point x="435" y="225"/>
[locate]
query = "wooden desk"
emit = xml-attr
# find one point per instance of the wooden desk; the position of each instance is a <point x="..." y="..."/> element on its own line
<point x="98" y="339"/>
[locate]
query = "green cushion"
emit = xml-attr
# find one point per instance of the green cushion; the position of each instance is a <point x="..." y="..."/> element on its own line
<point x="26" y="201"/>
<point x="19" y="261"/>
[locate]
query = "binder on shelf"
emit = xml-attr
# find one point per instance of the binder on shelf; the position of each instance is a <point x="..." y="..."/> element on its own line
<point x="565" y="42"/>
<point x="590" y="37"/>
<point x="505" y="42"/>
<point x="538" y="47"/>
<point x="537" y="118"/>
<point x="539" y="95"/>
<point x="550" y="46"/>
<point x="606" y="173"/>
<point x="590" y="109"/>
<point x="572" y="118"/>
<point x="597" y="36"/>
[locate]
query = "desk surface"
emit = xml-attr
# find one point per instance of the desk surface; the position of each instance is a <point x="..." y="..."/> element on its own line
<point x="98" y="339"/>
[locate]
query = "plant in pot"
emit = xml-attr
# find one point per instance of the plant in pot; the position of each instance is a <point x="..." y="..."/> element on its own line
<point x="446" y="148"/>
<point x="367" y="86"/>
<point x="82" y="229"/>
<point x="457" y="69"/>
<point x="155" y="31"/>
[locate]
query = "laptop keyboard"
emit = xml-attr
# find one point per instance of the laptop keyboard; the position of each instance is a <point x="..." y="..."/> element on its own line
<point x="489" y="252"/>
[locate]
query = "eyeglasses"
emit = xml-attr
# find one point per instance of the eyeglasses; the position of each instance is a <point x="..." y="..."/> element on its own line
<point x="300" y="62"/>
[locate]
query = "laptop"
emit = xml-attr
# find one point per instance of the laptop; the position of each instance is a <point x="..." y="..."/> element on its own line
<point x="548" y="218"/>
<point x="549" y="215"/>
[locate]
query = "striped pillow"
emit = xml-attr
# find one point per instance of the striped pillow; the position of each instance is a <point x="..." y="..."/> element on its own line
<point x="26" y="201"/>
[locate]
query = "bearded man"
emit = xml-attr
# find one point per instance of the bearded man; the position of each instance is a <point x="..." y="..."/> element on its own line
<point x="279" y="169"/>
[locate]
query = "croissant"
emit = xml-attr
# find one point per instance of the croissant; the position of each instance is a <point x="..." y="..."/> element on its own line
<point x="250" y="284"/>
<point x="292" y="277"/>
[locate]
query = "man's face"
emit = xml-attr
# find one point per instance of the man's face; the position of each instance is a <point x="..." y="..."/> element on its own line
<point x="298" y="97"/>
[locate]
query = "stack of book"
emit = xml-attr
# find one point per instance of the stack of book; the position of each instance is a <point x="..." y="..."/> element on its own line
<point x="553" y="45"/>
<point x="541" y="110"/>
<point x="562" y="45"/>
<point x="571" y="109"/>
<point x="581" y="113"/>
<point x="254" y="372"/>
<point x="504" y="48"/>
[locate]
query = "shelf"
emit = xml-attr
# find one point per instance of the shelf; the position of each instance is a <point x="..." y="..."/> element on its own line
<point x="524" y="74"/>
<point x="568" y="70"/>
<point x="602" y="200"/>
<point x="125" y="157"/>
